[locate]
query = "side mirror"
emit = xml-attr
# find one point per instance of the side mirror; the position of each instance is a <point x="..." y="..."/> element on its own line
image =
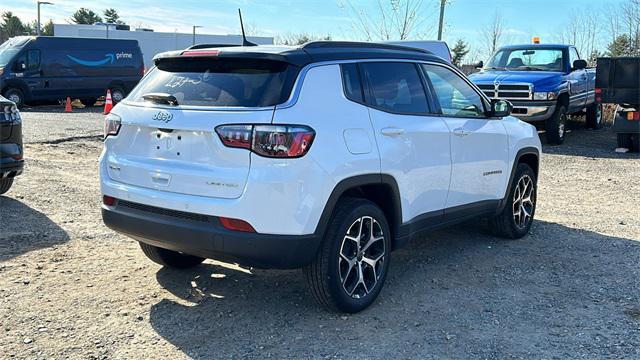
<point x="479" y="65"/>
<point x="21" y="66"/>
<point x="579" y="64"/>
<point x="500" y="108"/>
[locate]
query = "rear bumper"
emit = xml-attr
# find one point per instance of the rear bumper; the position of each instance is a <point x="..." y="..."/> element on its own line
<point x="204" y="236"/>
<point x="623" y="126"/>
<point x="533" y="110"/>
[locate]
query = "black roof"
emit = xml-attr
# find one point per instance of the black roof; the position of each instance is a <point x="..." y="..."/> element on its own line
<point x="316" y="51"/>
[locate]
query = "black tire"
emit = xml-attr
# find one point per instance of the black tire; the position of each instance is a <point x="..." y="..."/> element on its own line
<point x="324" y="275"/>
<point x="170" y="258"/>
<point x="16" y="95"/>
<point x="594" y="116"/>
<point x="5" y="185"/>
<point x="507" y="224"/>
<point x="117" y="94"/>
<point x="88" y="102"/>
<point x="629" y="141"/>
<point x="555" y="126"/>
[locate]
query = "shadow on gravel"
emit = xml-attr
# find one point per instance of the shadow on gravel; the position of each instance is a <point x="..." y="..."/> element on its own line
<point x="23" y="229"/>
<point x="599" y="143"/>
<point x="459" y="293"/>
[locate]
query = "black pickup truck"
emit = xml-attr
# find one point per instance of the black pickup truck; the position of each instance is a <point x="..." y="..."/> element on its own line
<point x="618" y="82"/>
<point x="11" y="155"/>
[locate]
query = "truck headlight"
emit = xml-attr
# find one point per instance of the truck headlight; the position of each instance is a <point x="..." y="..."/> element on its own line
<point x="544" y="96"/>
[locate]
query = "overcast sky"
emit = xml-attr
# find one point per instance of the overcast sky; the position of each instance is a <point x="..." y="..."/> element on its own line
<point x="464" y="18"/>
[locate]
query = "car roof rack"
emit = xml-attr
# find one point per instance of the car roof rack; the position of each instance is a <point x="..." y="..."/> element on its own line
<point x="359" y="45"/>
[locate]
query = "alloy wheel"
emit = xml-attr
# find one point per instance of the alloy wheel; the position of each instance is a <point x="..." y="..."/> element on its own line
<point x="361" y="257"/>
<point x="117" y="96"/>
<point x="523" y="201"/>
<point x="15" y="98"/>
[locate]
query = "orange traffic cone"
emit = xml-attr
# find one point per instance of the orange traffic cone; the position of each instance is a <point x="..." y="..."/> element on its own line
<point x="67" y="107"/>
<point x="108" y="103"/>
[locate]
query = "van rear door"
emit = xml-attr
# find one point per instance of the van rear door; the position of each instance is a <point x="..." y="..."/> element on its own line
<point x="175" y="148"/>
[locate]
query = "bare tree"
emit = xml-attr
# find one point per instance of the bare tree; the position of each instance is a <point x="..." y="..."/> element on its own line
<point x="583" y="31"/>
<point x="391" y="19"/>
<point x="493" y="33"/>
<point x="298" y="38"/>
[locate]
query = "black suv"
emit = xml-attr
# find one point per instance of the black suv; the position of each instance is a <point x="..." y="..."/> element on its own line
<point x="11" y="156"/>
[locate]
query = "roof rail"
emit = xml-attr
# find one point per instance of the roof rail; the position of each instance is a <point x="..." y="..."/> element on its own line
<point x="358" y="44"/>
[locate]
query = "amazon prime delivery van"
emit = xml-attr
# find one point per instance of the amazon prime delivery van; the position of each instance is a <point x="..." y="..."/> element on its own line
<point x="41" y="68"/>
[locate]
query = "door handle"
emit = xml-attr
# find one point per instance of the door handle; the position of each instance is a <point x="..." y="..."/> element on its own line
<point x="461" y="132"/>
<point x="392" y="131"/>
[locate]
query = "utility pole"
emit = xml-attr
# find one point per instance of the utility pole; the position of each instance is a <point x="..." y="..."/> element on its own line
<point x="193" y="39"/>
<point x="443" y="3"/>
<point x="38" y="23"/>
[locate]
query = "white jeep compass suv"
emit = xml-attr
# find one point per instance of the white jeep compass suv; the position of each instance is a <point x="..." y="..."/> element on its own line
<point x="325" y="157"/>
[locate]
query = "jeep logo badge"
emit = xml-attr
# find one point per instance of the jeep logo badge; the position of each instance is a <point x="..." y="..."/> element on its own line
<point x="163" y="116"/>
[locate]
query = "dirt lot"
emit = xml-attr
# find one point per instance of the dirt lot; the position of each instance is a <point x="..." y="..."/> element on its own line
<point x="71" y="288"/>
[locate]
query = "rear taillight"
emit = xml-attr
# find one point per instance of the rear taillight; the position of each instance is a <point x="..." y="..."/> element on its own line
<point x="633" y="115"/>
<point x="598" y="95"/>
<point x="274" y="141"/>
<point x="112" y="125"/>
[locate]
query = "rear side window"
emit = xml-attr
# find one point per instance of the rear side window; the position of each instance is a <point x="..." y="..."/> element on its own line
<point x="351" y="82"/>
<point x="395" y="87"/>
<point x="220" y="81"/>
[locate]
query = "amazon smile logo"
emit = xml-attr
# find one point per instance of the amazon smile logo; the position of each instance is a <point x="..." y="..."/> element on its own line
<point x="108" y="59"/>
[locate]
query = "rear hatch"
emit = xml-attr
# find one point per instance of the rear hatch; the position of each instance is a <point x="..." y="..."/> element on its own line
<point x="175" y="147"/>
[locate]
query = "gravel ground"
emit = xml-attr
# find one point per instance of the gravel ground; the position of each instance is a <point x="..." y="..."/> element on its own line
<point x="71" y="288"/>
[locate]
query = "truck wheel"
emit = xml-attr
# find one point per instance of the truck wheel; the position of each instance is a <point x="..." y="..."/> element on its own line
<point x="170" y="258"/>
<point x="515" y="219"/>
<point x="629" y="141"/>
<point x="15" y="95"/>
<point x="117" y="94"/>
<point x="555" y="126"/>
<point x="351" y="265"/>
<point x="5" y="185"/>
<point x="594" y="116"/>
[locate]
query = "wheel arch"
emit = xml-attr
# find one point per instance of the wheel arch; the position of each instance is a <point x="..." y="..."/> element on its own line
<point x="528" y="155"/>
<point x="381" y="189"/>
<point x="17" y="84"/>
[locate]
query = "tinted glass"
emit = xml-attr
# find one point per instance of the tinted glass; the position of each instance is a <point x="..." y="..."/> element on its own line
<point x="220" y="82"/>
<point x="395" y="87"/>
<point x="456" y="96"/>
<point x="351" y="82"/>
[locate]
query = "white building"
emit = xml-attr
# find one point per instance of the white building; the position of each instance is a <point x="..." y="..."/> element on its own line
<point x="151" y="42"/>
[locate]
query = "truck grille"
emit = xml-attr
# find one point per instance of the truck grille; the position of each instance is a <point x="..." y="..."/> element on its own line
<point x="507" y="91"/>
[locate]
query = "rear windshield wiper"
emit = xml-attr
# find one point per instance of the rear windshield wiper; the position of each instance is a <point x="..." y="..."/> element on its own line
<point x="161" y="98"/>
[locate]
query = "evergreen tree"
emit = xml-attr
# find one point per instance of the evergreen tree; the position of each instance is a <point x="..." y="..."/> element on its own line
<point x="459" y="51"/>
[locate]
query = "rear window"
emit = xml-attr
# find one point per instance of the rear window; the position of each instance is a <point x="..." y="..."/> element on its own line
<point x="220" y="81"/>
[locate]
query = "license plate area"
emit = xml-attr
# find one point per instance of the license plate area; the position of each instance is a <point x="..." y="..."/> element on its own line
<point x="172" y="144"/>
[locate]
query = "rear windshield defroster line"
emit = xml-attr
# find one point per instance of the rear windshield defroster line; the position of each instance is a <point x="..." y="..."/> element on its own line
<point x="224" y="82"/>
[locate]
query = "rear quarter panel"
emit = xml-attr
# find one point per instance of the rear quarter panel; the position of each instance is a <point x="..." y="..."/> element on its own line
<point x="344" y="145"/>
